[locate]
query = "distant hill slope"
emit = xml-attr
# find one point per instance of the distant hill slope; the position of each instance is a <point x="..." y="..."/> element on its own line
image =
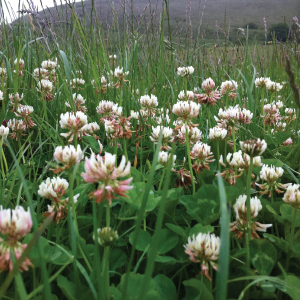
<point x="239" y="13"/>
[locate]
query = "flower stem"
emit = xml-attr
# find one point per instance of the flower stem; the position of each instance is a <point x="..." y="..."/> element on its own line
<point x="189" y="159"/>
<point x="218" y="155"/>
<point x="291" y="240"/>
<point x="107" y="214"/>
<point x="161" y="180"/>
<point x="125" y="149"/>
<point x="105" y="272"/>
<point x="248" y="234"/>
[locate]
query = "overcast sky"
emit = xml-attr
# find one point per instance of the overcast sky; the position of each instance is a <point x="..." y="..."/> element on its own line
<point x="14" y="5"/>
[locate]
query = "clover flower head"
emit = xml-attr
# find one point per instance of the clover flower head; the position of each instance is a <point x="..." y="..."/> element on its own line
<point x="185" y="71"/>
<point x="204" y="249"/>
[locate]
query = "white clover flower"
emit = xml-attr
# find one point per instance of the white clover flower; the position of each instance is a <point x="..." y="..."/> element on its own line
<point x="290" y="111"/>
<point x="40" y="72"/>
<point x="15" y="223"/>
<point x="1" y="95"/>
<point x="3" y="72"/>
<point x="279" y="104"/>
<point x="4" y="131"/>
<point x="185" y="71"/>
<point x="292" y="195"/>
<point x="254" y="147"/>
<point x="72" y="121"/>
<point x="103" y="80"/>
<point x="49" y="65"/>
<point x="261" y="82"/>
<point x="91" y="128"/>
<point x="69" y="155"/>
<point x="20" y="62"/>
<point x="271" y="174"/>
<point x="109" y="127"/>
<point x="44" y="85"/>
<point x="106" y="107"/>
<point x="217" y="133"/>
<point x="190" y="95"/>
<point x="25" y="110"/>
<point x="149" y="102"/>
<point x="134" y="115"/>
<point x="53" y="188"/>
<point x="78" y="98"/>
<point x="204" y="249"/>
<point x="186" y="110"/>
<point x="228" y="86"/>
<point x="164" y="157"/>
<point x="235" y="115"/>
<point x="241" y="209"/>
<point x="273" y="86"/>
<point x="119" y="72"/>
<point x="77" y="82"/>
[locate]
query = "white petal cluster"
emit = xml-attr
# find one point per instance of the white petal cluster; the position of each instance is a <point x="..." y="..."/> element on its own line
<point x="254" y="147"/>
<point x="15" y="125"/>
<point x="25" y="109"/>
<point x="77" y="82"/>
<point x="235" y="114"/>
<point x="15" y="222"/>
<point x="106" y="106"/>
<point x="91" y="128"/>
<point x="228" y="86"/>
<point x="201" y="150"/>
<point x="4" y="131"/>
<point x="3" y="72"/>
<point x="290" y="111"/>
<point x="292" y="195"/>
<point x="109" y="126"/>
<point x="208" y="84"/>
<point x="204" y="247"/>
<point x="44" y="85"/>
<point x="186" y="109"/>
<point x="185" y="71"/>
<point x="72" y="121"/>
<point x="20" y="62"/>
<point x="217" y="133"/>
<point x="40" y="72"/>
<point x="78" y="98"/>
<point x="114" y="56"/>
<point x="240" y="207"/>
<point x="164" y="157"/>
<point x="68" y="155"/>
<point x="190" y="95"/>
<point x="1" y="95"/>
<point x="149" y="101"/>
<point x="261" y="82"/>
<point x="271" y="174"/>
<point x="49" y="65"/>
<point x="53" y="188"/>
<point x="119" y="72"/>
<point x="166" y="132"/>
<point x="273" y="86"/>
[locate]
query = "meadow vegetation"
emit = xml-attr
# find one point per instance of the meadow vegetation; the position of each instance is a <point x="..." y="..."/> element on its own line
<point x="138" y="163"/>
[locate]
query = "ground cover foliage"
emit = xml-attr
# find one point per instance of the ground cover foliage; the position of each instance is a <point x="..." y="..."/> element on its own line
<point x="140" y="168"/>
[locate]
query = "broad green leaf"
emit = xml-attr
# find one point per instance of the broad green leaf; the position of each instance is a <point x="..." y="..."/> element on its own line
<point x="196" y="290"/>
<point x="263" y="256"/>
<point x="144" y="240"/>
<point x="165" y="287"/>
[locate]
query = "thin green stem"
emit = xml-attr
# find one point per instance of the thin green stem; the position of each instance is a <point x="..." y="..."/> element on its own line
<point x="105" y="272"/>
<point x="291" y="240"/>
<point x="107" y="214"/>
<point x="218" y="156"/>
<point x="161" y="179"/>
<point x="189" y="159"/>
